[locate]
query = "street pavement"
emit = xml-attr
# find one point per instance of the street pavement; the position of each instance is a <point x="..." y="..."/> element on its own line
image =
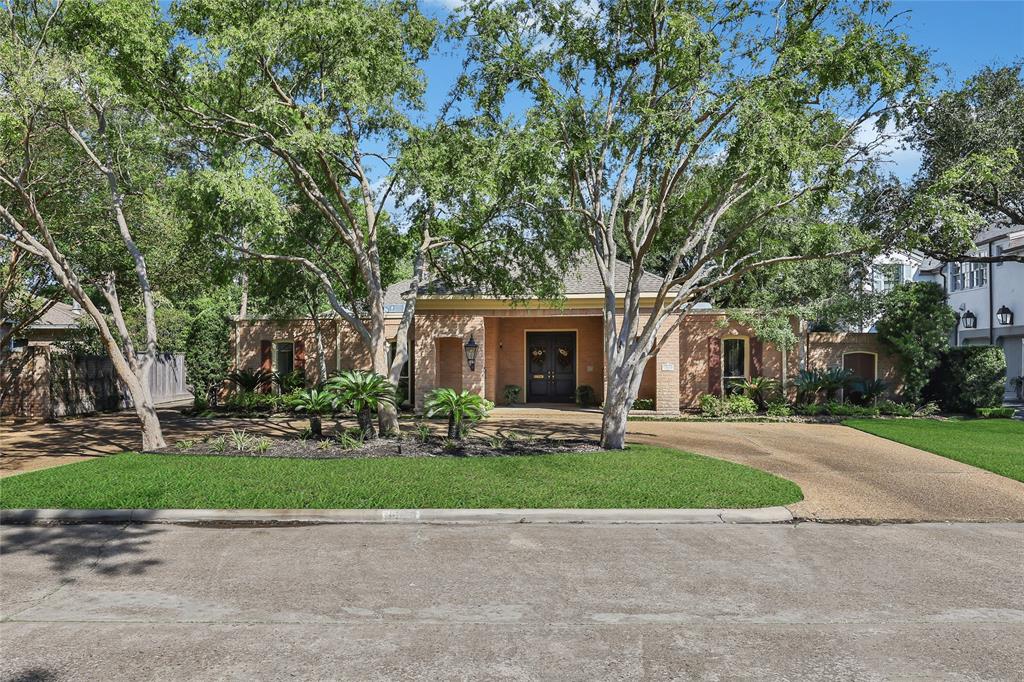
<point x="500" y="602"/>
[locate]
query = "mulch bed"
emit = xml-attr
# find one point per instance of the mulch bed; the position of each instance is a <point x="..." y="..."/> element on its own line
<point x="387" y="447"/>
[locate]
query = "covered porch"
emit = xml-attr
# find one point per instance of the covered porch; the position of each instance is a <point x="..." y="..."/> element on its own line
<point x="548" y="353"/>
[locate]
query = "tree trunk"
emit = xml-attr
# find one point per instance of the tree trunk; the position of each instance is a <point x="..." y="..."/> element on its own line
<point x="453" y="430"/>
<point x="365" y="418"/>
<point x="315" y="426"/>
<point x="318" y="339"/>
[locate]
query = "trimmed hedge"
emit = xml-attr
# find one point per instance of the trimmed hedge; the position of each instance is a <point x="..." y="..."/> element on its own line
<point x="968" y="378"/>
<point x="995" y="412"/>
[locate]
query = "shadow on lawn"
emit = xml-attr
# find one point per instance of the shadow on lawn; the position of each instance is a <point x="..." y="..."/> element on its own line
<point x="103" y="549"/>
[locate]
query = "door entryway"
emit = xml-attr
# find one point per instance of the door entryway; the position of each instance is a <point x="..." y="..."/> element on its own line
<point x="550" y="367"/>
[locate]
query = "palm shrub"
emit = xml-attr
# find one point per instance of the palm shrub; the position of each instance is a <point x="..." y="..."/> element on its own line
<point x="315" y="403"/>
<point x="834" y="380"/>
<point x="867" y="392"/>
<point x="249" y="380"/>
<point x="462" y="409"/>
<point x="289" y="382"/>
<point x="760" y="389"/>
<point x="807" y="384"/>
<point x="363" y="393"/>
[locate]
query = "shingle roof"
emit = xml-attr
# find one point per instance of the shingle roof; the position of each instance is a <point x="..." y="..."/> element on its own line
<point x="581" y="280"/>
<point x="58" y="316"/>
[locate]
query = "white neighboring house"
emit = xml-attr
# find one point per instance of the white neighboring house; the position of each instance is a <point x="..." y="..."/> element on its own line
<point x="987" y="297"/>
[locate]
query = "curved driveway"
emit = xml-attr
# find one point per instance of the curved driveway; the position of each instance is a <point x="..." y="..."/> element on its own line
<point x="845" y="474"/>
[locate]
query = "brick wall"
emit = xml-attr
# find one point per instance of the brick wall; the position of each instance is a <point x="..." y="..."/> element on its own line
<point x="825" y="350"/>
<point x="25" y="383"/>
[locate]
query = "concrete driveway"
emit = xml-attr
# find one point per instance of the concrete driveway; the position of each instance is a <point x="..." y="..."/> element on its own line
<point x="845" y="474"/>
<point x="796" y="602"/>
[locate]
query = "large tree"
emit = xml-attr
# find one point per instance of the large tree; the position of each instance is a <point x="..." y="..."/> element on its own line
<point x="81" y="168"/>
<point x="713" y="127"/>
<point x="321" y="93"/>
<point x="972" y="166"/>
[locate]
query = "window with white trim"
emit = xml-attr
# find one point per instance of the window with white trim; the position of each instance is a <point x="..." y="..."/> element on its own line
<point x="284" y="357"/>
<point x="734" y="364"/>
<point x="967" y="276"/>
<point x="885" y="277"/>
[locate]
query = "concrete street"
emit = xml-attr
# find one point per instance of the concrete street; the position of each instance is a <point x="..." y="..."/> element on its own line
<point x="570" y="602"/>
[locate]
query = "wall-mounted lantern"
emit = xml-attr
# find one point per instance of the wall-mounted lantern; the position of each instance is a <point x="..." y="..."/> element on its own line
<point x="471" y="353"/>
<point x="1004" y="315"/>
<point x="969" y="319"/>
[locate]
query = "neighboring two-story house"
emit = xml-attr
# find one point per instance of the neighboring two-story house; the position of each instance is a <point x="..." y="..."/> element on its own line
<point x="988" y="297"/>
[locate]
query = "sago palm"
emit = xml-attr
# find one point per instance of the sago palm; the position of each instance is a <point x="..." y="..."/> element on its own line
<point x="314" y="403"/>
<point x="461" y="409"/>
<point x="249" y="380"/>
<point x="760" y="389"/>
<point x="363" y="393"/>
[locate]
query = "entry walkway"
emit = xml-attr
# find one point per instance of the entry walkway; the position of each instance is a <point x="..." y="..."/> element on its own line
<point x="845" y="474"/>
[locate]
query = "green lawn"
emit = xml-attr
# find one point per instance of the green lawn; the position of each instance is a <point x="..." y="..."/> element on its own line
<point x="641" y="477"/>
<point x="993" y="444"/>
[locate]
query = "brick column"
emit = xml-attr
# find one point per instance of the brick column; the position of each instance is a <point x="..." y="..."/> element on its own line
<point x="667" y="373"/>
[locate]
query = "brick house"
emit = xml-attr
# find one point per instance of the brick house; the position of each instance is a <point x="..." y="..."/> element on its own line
<point x="549" y="348"/>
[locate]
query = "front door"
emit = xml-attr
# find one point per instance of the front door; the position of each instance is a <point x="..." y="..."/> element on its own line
<point x="550" y="367"/>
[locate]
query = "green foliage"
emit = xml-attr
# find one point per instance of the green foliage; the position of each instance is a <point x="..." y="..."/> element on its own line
<point x="972" y="170"/>
<point x="640" y="477"/>
<point x="249" y="380"/>
<point x="760" y="389"/>
<point x="207" y="346"/>
<point x="643" y="404"/>
<point x="863" y="392"/>
<point x="968" y="378"/>
<point x="833" y="380"/>
<point x="423" y="431"/>
<point x="462" y="409"/>
<point x="888" y="407"/>
<point x="733" y="405"/>
<point x="248" y="401"/>
<point x="240" y="440"/>
<point x="778" y="410"/>
<point x="289" y="382"/>
<point x="349" y="439"/>
<point x="914" y="326"/>
<point x="511" y="394"/>
<point x="996" y="412"/>
<point x="363" y="393"/>
<point x="835" y="409"/>
<point x="585" y="396"/>
<point x="808" y="383"/>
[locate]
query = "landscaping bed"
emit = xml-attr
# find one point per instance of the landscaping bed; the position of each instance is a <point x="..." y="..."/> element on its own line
<point x="639" y="477"/>
<point x="240" y="444"/>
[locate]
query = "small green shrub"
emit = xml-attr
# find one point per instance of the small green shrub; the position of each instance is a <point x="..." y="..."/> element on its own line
<point x="896" y="409"/>
<point x="927" y="410"/>
<point x="761" y="390"/>
<point x="585" y="396"/>
<point x="713" y="406"/>
<point x="349" y="439"/>
<point x="261" y="445"/>
<point x="451" y="445"/>
<point x="186" y="444"/>
<point x="423" y="431"/>
<point x="968" y="378"/>
<point x="254" y="402"/>
<point x="778" y="410"/>
<point x="643" y="404"/>
<point x="200" y="404"/>
<point x="996" y="412"/>
<point x="218" y="444"/>
<point x="249" y="380"/>
<point x="289" y="382"/>
<point x="512" y="394"/>
<point x="845" y="410"/>
<point x="811" y="409"/>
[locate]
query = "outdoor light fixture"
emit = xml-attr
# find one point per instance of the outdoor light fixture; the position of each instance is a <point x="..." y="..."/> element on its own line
<point x="970" y="320"/>
<point x="471" y="353"/>
<point x="1004" y="315"/>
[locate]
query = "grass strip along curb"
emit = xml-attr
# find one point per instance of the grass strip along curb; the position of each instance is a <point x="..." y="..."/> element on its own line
<point x="641" y="477"/>
<point x="284" y="517"/>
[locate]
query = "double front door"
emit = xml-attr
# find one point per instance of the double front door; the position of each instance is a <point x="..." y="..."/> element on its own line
<point x="550" y="367"/>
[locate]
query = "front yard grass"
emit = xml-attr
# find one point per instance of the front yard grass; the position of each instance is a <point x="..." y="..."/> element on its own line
<point x="996" y="445"/>
<point x="640" y="477"/>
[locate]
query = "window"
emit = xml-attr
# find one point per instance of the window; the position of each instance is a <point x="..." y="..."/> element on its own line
<point x="284" y="357"/>
<point x="885" y="277"/>
<point x="734" y="364"/>
<point x="967" y="276"/>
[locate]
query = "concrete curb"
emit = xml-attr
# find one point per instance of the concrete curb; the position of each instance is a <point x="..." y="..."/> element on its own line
<point x="436" y="516"/>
